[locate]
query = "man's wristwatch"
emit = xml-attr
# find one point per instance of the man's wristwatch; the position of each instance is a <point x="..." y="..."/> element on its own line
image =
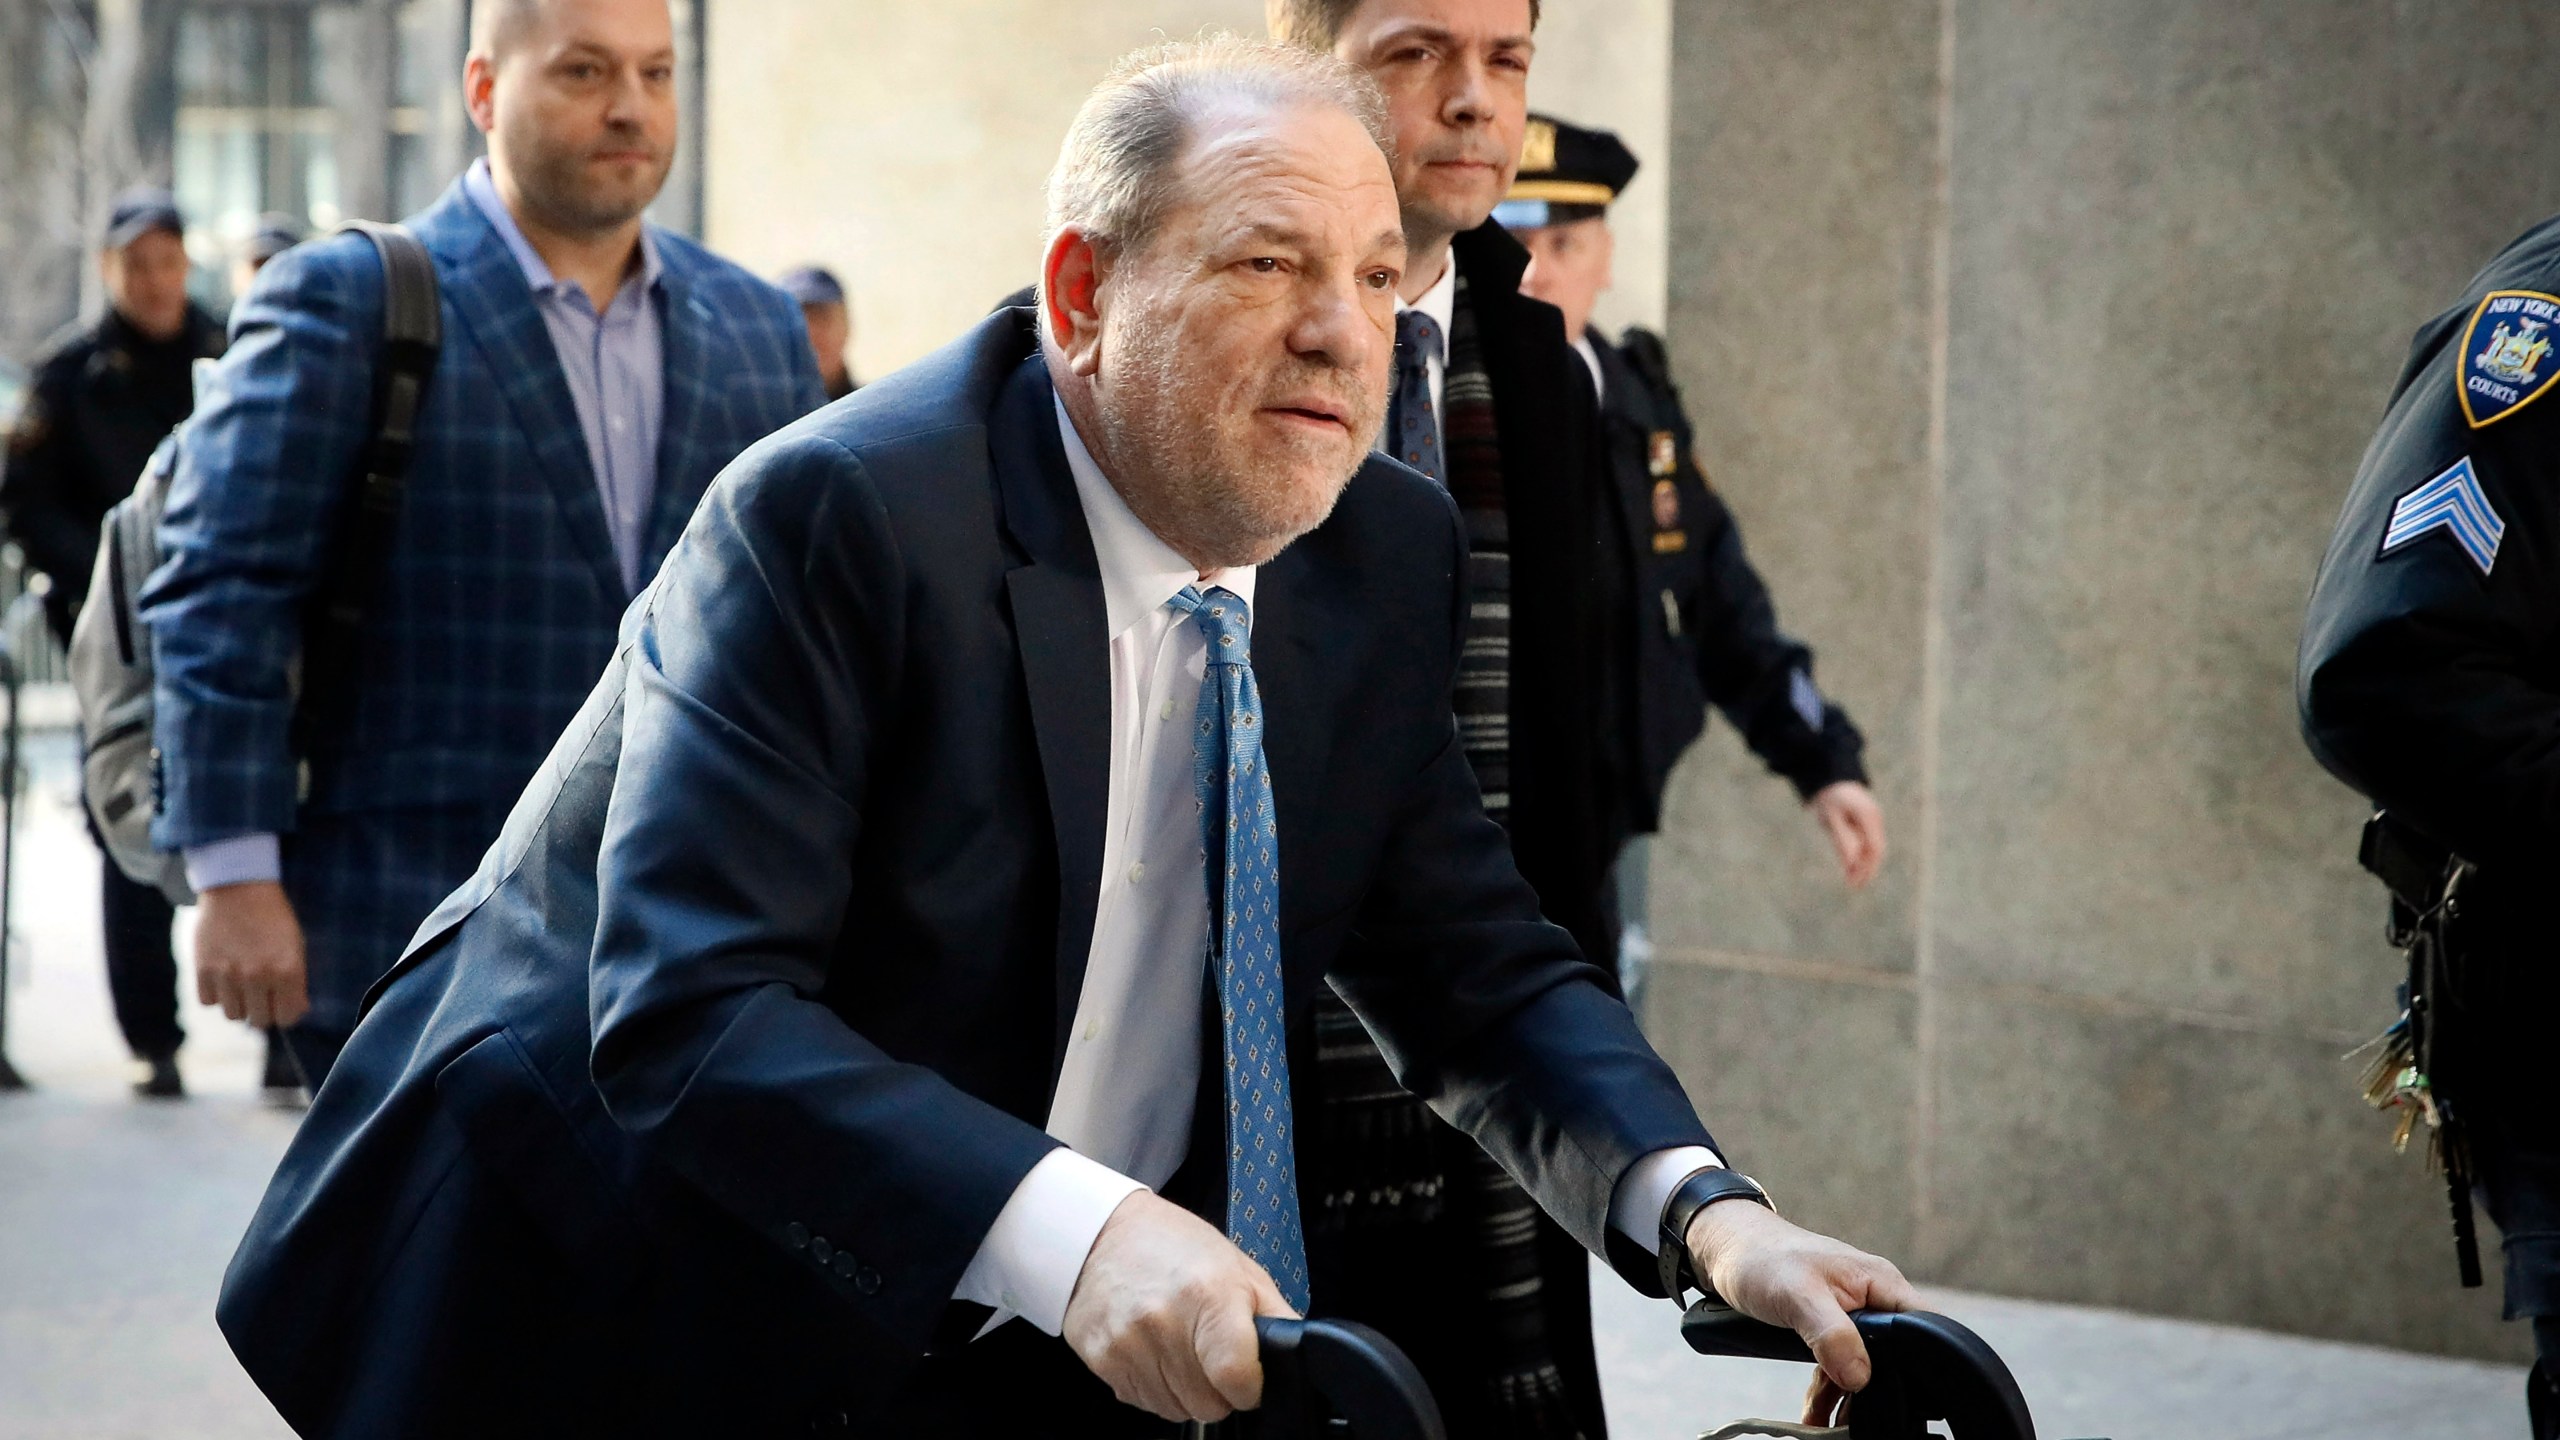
<point x="1702" y="1187"/>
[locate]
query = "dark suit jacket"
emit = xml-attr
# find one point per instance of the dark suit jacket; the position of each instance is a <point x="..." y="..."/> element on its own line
<point x="498" y="604"/>
<point x="691" y="1108"/>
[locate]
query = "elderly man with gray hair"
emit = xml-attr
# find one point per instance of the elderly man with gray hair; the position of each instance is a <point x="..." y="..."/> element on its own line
<point x="900" y="965"/>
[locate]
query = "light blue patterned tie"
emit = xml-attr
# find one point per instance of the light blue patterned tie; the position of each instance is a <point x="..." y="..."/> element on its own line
<point x="1413" y="430"/>
<point x="1238" y="827"/>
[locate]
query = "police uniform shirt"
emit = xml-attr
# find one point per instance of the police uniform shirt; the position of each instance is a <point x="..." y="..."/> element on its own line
<point x="2428" y="678"/>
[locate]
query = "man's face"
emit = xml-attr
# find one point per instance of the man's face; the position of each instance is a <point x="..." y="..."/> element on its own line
<point x="1239" y="362"/>
<point x="830" y="330"/>
<point x="1456" y="73"/>
<point x="1568" y="267"/>
<point x="580" y="109"/>
<point x="146" y="282"/>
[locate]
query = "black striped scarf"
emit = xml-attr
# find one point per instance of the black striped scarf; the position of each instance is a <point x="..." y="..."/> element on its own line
<point x="1383" y="1158"/>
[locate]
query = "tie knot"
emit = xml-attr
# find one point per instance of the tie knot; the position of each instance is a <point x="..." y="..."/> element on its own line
<point x="1417" y="336"/>
<point x="1224" y="619"/>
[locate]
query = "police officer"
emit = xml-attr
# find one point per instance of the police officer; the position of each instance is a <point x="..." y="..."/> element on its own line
<point x="104" y="394"/>
<point x="274" y="234"/>
<point x="829" y="316"/>
<point x="2430" y="681"/>
<point x="1705" y="630"/>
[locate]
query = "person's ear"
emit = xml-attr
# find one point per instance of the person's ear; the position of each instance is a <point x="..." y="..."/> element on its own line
<point x="479" y="87"/>
<point x="1071" y="278"/>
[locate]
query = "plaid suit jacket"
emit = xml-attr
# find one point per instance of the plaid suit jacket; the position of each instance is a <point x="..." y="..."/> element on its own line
<point x="497" y="609"/>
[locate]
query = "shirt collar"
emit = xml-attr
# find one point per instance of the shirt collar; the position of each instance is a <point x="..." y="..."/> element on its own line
<point x="1441" y="300"/>
<point x="1139" y="571"/>
<point x="483" y="190"/>
<point x="1591" y="357"/>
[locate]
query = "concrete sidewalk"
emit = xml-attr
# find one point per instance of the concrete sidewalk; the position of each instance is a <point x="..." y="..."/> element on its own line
<point x="117" y="1216"/>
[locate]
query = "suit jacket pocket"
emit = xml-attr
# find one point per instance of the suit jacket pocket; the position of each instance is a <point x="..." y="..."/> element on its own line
<point x="522" y="1136"/>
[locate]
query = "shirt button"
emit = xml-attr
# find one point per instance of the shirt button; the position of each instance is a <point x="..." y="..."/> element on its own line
<point x="1168" y="709"/>
<point x="1011" y="1300"/>
<point x="1137" y="872"/>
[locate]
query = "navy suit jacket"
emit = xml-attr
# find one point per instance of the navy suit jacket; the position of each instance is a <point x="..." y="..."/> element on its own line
<point x="693" y="1105"/>
<point x="498" y="606"/>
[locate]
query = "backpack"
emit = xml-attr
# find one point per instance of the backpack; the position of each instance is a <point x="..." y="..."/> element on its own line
<point x="111" y="669"/>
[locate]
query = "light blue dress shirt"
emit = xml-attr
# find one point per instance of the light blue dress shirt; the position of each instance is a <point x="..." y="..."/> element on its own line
<point x="615" y="363"/>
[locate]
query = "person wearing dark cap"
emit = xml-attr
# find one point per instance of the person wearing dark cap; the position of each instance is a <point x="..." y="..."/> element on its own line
<point x="104" y="394"/>
<point x="1706" y="631"/>
<point x="275" y="234"/>
<point x="830" y="320"/>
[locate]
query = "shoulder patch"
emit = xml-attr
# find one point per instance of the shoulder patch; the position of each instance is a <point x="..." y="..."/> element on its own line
<point x="2507" y="354"/>
<point x="2454" y="503"/>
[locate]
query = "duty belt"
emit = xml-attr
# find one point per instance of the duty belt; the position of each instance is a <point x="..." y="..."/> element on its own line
<point x="2413" y="1069"/>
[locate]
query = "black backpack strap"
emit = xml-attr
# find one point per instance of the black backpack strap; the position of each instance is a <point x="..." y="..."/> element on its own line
<point x="405" y="360"/>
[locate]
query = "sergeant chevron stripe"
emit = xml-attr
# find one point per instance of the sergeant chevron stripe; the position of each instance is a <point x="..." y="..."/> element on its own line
<point x="2454" y="502"/>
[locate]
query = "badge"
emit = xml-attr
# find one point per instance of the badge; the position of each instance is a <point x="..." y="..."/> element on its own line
<point x="2507" y="356"/>
<point x="1668" y="537"/>
<point x="2454" y="503"/>
<point x="1538" y="147"/>
<point x="1662" y="453"/>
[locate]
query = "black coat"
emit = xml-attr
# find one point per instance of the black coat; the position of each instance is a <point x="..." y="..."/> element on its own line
<point x="1705" y="630"/>
<point x="103" y="396"/>
<point x="688" y="1112"/>
<point x="1571" y="600"/>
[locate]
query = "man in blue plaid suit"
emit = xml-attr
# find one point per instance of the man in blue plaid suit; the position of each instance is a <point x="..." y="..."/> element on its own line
<point x="596" y="372"/>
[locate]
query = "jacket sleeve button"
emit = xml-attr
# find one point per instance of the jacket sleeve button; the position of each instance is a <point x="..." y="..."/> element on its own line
<point x="866" y="1280"/>
<point x="844" y="1266"/>
<point x="796" y="1235"/>
<point x="820" y="1250"/>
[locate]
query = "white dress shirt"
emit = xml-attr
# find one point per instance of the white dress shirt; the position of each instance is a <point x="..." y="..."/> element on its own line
<point x="1125" y="1093"/>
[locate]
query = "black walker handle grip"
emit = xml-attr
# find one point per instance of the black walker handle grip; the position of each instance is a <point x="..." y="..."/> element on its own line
<point x="1927" y="1367"/>
<point x="1317" y="1371"/>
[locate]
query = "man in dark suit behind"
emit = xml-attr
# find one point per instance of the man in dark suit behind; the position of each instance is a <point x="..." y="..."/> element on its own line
<point x="890" y="946"/>
<point x="1426" y="1237"/>
<point x="596" y="371"/>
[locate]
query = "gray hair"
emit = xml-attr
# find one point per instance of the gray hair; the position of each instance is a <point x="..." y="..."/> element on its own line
<point x="1114" y="177"/>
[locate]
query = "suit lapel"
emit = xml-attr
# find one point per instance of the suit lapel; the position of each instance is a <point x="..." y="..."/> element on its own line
<point x="487" y="293"/>
<point x="1065" y="645"/>
<point x="695" y="352"/>
<point x="1301" y="628"/>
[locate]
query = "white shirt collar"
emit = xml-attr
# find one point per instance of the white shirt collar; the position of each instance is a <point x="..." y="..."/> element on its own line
<point x="1441" y="300"/>
<point x="1591" y="357"/>
<point x="1139" y="571"/>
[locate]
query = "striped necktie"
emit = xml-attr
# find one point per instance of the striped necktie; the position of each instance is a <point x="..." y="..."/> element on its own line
<point x="1240" y="832"/>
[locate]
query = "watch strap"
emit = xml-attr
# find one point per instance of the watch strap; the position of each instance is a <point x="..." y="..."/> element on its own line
<point x="1695" y="1192"/>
